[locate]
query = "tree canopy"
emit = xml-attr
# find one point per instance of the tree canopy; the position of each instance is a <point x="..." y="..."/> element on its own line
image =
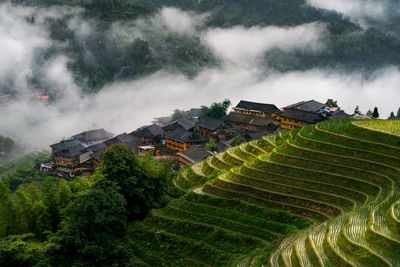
<point x="216" y="110"/>
<point x="375" y="113"/>
<point x="142" y="182"/>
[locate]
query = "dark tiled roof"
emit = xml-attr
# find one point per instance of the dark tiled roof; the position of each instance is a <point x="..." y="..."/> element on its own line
<point x="236" y="117"/>
<point x="93" y="135"/>
<point x="183" y="136"/>
<point x="210" y="123"/>
<point x="300" y="115"/>
<point x="65" y="144"/>
<point x="310" y="106"/>
<point x="339" y="115"/>
<point x="124" y="139"/>
<point x="266" y="108"/>
<point x="253" y="135"/>
<point x="183" y="123"/>
<point x="194" y="154"/>
<point x="97" y="150"/>
<point x="70" y="152"/>
<point x="151" y="131"/>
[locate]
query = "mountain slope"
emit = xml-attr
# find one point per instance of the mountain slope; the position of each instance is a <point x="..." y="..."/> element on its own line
<point x="237" y="206"/>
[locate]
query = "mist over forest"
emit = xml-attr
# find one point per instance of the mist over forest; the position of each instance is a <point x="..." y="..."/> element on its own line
<point x="118" y="64"/>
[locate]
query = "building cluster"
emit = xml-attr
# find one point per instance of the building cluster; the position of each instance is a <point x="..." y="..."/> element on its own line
<point x="184" y="140"/>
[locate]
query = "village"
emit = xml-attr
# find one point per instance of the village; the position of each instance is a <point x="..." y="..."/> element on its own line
<point x="190" y="138"/>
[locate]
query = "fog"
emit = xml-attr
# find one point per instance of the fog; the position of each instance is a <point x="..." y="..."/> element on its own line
<point x="125" y="106"/>
<point x="361" y="11"/>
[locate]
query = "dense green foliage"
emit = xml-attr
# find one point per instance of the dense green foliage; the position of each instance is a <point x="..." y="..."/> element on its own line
<point x="238" y="140"/>
<point x="141" y="181"/>
<point x="216" y="110"/>
<point x="7" y="144"/>
<point x="89" y="236"/>
<point x="80" y="222"/>
<point x="24" y="169"/>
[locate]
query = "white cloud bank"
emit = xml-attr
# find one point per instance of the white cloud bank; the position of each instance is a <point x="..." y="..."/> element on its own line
<point x="360" y="11"/>
<point x="244" y="45"/>
<point x="124" y="106"/>
<point x="180" y="21"/>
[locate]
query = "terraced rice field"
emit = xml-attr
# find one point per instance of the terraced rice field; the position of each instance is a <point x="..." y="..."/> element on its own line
<point x="323" y="195"/>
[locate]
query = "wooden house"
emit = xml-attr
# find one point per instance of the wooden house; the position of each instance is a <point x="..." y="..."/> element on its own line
<point x="69" y="157"/>
<point x="207" y="127"/>
<point x="295" y="118"/>
<point x="181" y="140"/>
<point x="256" y="109"/>
<point x="181" y="124"/>
<point x="192" y="155"/>
<point x="124" y="139"/>
<point x="250" y="122"/>
<point x="309" y="106"/>
<point x="93" y="136"/>
<point x="4" y="99"/>
<point x="149" y="135"/>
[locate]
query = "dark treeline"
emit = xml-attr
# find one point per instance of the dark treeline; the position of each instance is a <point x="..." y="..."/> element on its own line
<point x="81" y="222"/>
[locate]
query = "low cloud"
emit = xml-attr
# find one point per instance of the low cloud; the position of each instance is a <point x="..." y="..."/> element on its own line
<point x="244" y="46"/>
<point x="125" y="106"/>
<point x="180" y="21"/>
<point x="360" y="11"/>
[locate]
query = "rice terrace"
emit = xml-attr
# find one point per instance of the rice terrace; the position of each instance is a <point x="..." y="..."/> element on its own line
<point x="322" y="195"/>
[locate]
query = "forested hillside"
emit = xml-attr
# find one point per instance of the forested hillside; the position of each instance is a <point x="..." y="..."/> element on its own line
<point x="326" y="194"/>
<point x="348" y="45"/>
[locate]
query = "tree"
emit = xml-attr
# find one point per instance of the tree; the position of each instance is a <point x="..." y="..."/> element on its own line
<point x="5" y="210"/>
<point x="331" y="103"/>
<point x="392" y="116"/>
<point x="178" y="114"/>
<point x="237" y="140"/>
<point x="211" y="146"/>
<point x="64" y="194"/>
<point x="216" y="110"/>
<point x="369" y="113"/>
<point x="49" y="191"/>
<point x="24" y="213"/>
<point x="142" y="183"/>
<point x="89" y="236"/>
<point x="398" y="114"/>
<point x="357" y="111"/>
<point x="375" y="114"/>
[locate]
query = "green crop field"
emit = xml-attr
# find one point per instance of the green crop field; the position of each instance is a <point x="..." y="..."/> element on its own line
<point x="387" y="126"/>
<point x="324" y="195"/>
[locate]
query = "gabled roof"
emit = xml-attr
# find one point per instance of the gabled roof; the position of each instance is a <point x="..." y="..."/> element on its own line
<point x="194" y="154"/>
<point x="96" y="150"/>
<point x="123" y="139"/>
<point x="310" y="106"/>
<point x="65" y="144"/>
<point x="93" y="135"/>
<point x="300" y="115"/>
<point x="266" y="108"/>
<point x="210" y="123"/>
<point x="248" y="119"/>
<point x="151" y="131"/>
<point x="253" y="135"/>
<point x="183" y="136"/>
<point x="339" y="115"/>
<point x="183" y="123"/>
<point x="70" y="152"/>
